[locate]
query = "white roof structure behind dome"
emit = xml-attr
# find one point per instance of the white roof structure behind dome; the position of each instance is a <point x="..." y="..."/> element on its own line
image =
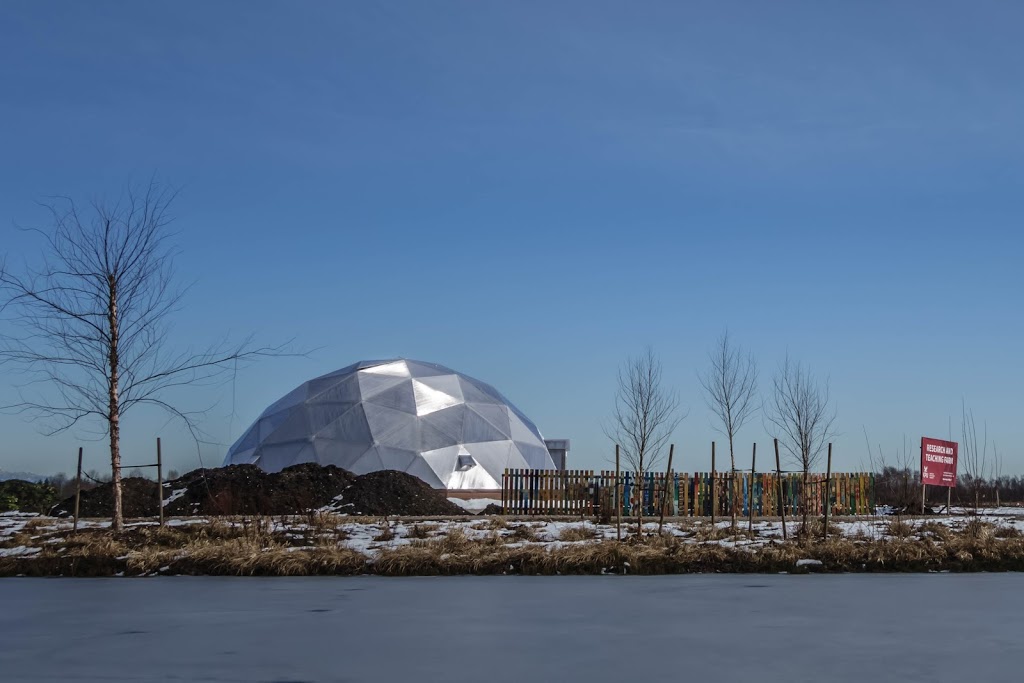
<point x="448" y="429"/>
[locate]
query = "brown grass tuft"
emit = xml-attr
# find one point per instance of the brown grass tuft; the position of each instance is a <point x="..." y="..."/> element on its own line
<point x="421" y="531"/>
<point x="899" y="529"/>
<point x="386" y="533"/>
<point x="521" y="533"/>
<point x="577" y="533"/>
<point x="977" y="529"/>
<point x="1008" y="532"/>
<point x="709" y="532"/>
<point x="935" y="530"/>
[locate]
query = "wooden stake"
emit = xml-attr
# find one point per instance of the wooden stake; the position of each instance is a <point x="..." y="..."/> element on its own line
<point x="714" y="485"/>
<point x="664" y="497"/>
<point x="159" y="481"/>
<point x="78" y="489"/>
<point x="782" y="501"/>
<point x="750" y="492"/>
<point x="828" y="489"/>
<point x="618" y="497"/>
<point x="732" y="498"/>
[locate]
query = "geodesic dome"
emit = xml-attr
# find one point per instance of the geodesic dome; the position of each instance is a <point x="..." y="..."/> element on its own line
<point x="448" y="429"/>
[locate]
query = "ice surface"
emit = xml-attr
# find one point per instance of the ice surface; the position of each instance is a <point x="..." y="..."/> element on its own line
<point x="498" y="629"/>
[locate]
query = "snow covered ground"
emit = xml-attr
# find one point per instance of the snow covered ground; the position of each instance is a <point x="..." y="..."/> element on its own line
<point x="20" y="533"/>
<point x="476" y="504"/>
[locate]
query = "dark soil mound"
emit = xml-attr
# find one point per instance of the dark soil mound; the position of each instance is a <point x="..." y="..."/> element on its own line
<point x="493" y="509"/>
<point x="248" y="490"/>
<point x="231" y="490"/>
<point x="138" y="499"/>
<point x="393" y="493"/>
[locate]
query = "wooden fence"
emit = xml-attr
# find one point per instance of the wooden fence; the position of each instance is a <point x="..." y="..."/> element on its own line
<point x="585" y="492"/>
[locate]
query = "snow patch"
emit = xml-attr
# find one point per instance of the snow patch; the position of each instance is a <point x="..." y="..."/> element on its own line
<point x="175" y="495"/>
<point x="475" y="504"/>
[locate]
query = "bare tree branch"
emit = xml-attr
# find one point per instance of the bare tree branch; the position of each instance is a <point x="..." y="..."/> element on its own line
<point x="92" y="322"/>
<point x="973" y="456"/>
<point x="798" y="414"/>
<point x="646" y="414"/>
<point x="730" y="389"/>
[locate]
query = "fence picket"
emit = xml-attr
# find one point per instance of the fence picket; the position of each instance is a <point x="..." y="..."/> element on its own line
<point x="585" y="492"/>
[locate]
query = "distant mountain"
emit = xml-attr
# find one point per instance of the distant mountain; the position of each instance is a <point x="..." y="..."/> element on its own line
<point x="26" y="476"/>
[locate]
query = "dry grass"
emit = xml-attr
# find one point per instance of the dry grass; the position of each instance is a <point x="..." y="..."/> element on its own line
<point x="521" y="533"/>
<point x="577" y="533"/>
<point x="421" y="531"/>
<point x="935" y="530"/>
<point x="814" y="530"/>
<point x="708" y="532"/>
<point x="897" y="528"/>
<point x="1008" y="532"/>
<point x="978" y="530"/>
<point x="253" y="546"/>
<point x="496" y="523"/>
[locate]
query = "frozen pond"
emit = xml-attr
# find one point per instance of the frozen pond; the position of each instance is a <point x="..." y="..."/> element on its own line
<point x="706" y="628"/>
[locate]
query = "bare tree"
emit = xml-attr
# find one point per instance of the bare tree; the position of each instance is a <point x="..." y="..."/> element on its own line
<point x="898" y="478"/>
<point x="800" y="416"/>
<point x="646" y="414"/>
<point x="92" y="321"/>
<point x="730" y="391"/>
<point x="997" y="472"/>
<point x="973" y="456"/>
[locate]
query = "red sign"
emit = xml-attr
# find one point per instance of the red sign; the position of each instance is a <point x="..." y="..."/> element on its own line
<point x="938" y="462"/>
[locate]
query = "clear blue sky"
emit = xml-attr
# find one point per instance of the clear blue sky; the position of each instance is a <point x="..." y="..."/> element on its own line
<point x="529" y="192"/>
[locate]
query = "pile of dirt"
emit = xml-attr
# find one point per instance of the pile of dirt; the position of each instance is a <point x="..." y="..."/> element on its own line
<point x="138" y="499"/>
<point x="247" y="490"/>
<point x="393" y="493"/>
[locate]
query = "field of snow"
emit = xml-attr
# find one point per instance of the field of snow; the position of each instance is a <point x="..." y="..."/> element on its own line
<point x="370" y="537"/>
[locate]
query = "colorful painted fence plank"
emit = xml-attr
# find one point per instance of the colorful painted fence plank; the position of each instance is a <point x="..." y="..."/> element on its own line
<point x="586" y="492"/>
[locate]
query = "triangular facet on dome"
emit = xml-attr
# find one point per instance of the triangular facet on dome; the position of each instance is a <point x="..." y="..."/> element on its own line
<point x="436" y="393"/>
<point x="384" y="421"/>
<point x="448" y="421"/>
<point x="396" y="414"/>
<point x="399" y="397"/>
<point x="371" y="384"/>
<point x="395" y="368"/>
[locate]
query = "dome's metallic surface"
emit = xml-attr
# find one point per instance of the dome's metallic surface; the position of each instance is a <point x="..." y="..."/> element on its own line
<point x="450" y="430"/>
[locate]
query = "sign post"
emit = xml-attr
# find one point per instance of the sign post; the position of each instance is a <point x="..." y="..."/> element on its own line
<point x="938" y="466"/>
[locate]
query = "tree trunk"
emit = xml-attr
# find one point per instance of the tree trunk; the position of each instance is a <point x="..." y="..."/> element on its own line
<point x="732" y="485"/>
<point x="639" y="488"/>
<point x="640" y="505"/>
<point x="804" y="500"/>
<point x="114" y="408"/>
